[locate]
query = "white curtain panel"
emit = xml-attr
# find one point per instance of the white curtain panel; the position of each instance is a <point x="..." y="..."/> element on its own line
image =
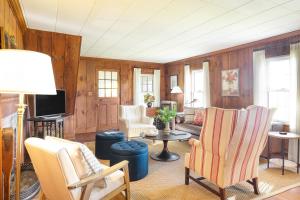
<point x="206" y="85"/>
<point x="260" y="87"/>
<point x="187" y="85"/>
<point x="156" y="86"/>
<point x="137" y="86"/>
<point x="295" y="100"/>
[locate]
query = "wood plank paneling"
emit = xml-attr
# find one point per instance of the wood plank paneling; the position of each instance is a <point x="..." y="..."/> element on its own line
<point x="10" y="24"/>
<point x="58" y="58"/>
<point x="236" y="57"/>
<point x="86" y="99"/>
<point x="72" y="55"/>
<point x="65" y="52"/>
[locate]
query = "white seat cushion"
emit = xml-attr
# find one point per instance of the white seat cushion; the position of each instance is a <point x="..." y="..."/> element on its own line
<point x="113" y="181"/>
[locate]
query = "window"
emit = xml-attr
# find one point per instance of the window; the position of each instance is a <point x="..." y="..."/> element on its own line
<point x="279" y="82"/>
<point x="147" y="83"/>
<point x="197" y="88"/>
<point x="107" y="84"/>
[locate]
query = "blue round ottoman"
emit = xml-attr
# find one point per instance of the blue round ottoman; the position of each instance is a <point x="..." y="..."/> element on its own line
<point x="136" y="153"/>
<point x="104" y="141"/>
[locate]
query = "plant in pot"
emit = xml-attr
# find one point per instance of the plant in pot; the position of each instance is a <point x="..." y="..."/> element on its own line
<point x="149" y="99"/>
<point x="166" y="115"/>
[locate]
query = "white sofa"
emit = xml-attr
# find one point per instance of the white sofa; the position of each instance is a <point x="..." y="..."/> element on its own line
<point x="133" y="121"/>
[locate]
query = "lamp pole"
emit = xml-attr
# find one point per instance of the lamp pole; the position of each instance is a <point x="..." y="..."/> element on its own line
<point x="19" y="152"/>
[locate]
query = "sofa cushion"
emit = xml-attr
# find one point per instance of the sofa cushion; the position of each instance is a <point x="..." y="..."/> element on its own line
<point x="189" y="114"/>
<point x="199" y="116"/>
<point x="190" y="128"/>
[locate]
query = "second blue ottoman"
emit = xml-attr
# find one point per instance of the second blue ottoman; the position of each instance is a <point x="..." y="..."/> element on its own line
<point x="103" y="143"/>
<point x="136" y="153"/>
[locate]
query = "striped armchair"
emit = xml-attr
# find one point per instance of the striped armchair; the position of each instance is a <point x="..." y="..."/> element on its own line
<point x="229" y="147"/>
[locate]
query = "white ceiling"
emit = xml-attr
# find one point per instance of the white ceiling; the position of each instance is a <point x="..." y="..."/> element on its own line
<point x="162" y="30"/>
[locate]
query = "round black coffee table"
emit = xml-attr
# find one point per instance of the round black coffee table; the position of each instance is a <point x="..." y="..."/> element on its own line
<point x="166" y="155"/>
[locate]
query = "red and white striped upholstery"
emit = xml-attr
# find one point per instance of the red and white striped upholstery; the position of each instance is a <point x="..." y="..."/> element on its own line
<point x="230" y="144"/>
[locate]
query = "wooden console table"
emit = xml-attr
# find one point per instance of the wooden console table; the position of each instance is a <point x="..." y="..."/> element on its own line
<point x="48" y="125"/>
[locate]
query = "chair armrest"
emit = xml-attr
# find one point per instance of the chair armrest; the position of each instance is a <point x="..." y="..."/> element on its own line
<point x="95" y="177"/>
<point x="194" y="143"/>
<point x="147" y="120"/>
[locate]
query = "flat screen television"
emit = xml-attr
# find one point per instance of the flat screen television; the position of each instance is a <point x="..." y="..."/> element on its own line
<point x="50" y="105"/>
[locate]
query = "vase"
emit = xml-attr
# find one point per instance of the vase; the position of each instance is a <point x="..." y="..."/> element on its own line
<point x="149" y="104"/>
<point x="167" y="129"/>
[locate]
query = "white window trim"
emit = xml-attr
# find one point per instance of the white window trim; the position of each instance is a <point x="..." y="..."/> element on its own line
<point x="147" y="75"/>
<point x="268" y="60"/>
<point x="193" y="72"/>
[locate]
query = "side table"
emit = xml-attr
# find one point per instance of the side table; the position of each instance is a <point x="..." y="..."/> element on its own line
<point x="283" y="138"/>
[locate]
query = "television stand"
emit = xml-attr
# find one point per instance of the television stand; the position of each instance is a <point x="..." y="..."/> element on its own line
<point x="48" y="126"/>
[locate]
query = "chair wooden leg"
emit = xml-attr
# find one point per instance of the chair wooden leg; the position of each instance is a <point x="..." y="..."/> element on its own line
<point x="187" y="176"/>
<point x="255" y="185"/>
<point x="127" y="182"/>
<point x="222" y="193"/>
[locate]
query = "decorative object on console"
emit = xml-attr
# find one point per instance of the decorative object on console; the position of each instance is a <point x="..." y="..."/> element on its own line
<point x="166" y="115"/>
<point x="149" y="99"/>
<point x="230" y="82"/>
<point x="24" y="72"/>
<point x="173" y="81"/>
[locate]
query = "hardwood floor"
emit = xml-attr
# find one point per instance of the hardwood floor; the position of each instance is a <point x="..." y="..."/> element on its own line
<point x="85" y="137"/>
<point x="291" y="194"/>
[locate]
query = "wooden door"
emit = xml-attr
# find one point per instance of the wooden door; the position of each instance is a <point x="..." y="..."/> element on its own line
<point x="108" y="99"/>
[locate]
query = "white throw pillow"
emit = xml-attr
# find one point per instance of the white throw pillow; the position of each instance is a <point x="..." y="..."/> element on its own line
<point x="84" y="161"/>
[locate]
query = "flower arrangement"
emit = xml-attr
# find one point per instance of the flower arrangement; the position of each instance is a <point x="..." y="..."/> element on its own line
<point x="166" y="115"/>
<point x="148" y="98"/>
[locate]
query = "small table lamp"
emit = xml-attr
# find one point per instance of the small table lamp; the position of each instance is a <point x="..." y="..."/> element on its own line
<point x="24" y="72"/>
<point x="176" y="90"/>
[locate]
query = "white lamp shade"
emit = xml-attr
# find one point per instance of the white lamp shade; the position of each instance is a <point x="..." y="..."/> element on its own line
<point x="176" y="90"/>
<point x="26" y="72"/>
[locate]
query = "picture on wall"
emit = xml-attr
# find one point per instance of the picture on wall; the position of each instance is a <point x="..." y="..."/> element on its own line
<point x="230" y="82"/>
<point x="173" y="81"/>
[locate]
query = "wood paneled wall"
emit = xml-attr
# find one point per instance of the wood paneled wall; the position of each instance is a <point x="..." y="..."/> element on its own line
<point x="85" y="113"/>
<point x="236" y="57"/>
<point x="65" y="53"/>
<point x="10" y="23"/>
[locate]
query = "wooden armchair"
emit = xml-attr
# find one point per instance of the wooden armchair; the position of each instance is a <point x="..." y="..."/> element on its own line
<point x="229" y="147"/>
<point x="59" y="168"/>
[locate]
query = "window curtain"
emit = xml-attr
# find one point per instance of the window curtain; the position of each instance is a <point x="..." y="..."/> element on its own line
<point x="187" y="85"/>
<point x="295" y="100"/>
<point x="156" y="87"/>
<point x="137" y="86"/>
<point x="206" y="85"/>
<point x="260" y="87"/>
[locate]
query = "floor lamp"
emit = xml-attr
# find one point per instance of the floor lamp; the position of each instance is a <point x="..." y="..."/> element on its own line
<point x="24" y="72"/>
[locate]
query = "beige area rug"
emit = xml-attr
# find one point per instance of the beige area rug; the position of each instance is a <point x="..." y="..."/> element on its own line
<point x="165" y="180"/>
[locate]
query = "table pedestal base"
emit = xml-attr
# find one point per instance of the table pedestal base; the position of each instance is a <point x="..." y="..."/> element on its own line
<point x="165" y="155"/>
